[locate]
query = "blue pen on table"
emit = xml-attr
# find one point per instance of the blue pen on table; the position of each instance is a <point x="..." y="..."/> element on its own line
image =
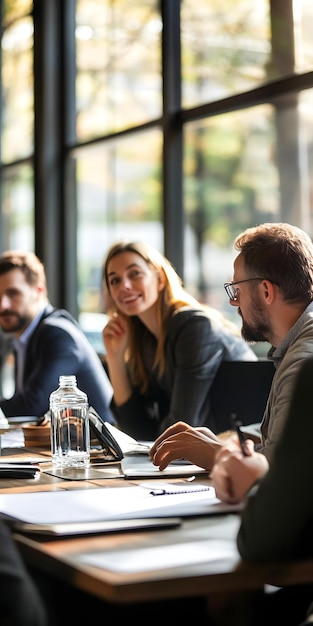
<point x="236" y="425"/>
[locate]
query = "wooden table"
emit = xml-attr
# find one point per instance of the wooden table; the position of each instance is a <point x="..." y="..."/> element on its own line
<point x="147" y="583"/>
<point x="79" y="559"/>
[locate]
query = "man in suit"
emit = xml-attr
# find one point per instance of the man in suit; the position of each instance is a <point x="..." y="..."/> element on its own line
<point x="48" y="342"/>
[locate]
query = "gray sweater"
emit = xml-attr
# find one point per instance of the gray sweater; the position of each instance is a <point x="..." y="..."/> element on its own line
<point x="287" y="358"/>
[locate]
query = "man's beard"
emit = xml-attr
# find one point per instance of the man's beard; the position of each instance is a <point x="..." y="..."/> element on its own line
<point x="17" y="323"/>
<point x="257" y="330"/>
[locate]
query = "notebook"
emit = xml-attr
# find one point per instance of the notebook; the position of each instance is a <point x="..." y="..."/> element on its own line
<point x="107" y="504"/>
<point x="96" y="528"/>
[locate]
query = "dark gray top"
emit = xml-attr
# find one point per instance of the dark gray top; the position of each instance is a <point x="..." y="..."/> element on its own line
<point x="195" y="347"/>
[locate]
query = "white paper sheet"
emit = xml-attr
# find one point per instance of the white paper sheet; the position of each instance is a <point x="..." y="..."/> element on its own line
<point x="160" y="557"/>
<point x="106" y="504"/>
<point x="128" y="444"/>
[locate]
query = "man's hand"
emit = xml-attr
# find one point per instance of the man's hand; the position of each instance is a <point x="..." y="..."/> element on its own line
<point x="234" y="474"/>
<point x="182" y="441"/>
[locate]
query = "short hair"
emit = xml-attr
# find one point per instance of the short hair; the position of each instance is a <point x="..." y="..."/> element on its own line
<point x="281" y="253"/>
<point x="27" y="262"/>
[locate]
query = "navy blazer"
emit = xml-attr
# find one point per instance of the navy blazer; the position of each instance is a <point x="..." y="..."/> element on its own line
<point x="58" y="346"/>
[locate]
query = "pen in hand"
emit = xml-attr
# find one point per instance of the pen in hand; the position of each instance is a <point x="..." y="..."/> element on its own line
<point x="236" y="425"/>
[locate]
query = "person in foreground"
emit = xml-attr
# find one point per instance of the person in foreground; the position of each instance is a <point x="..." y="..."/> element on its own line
<point x="277" y="519"/>
<point x="20" y="600"/>
<point x="48" y="342"/>
<point x="163" y="348"/>
<point x="273" y="290"/>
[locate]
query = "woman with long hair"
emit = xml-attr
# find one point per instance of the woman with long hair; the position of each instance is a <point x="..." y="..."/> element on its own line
<point x="163" y="347"/>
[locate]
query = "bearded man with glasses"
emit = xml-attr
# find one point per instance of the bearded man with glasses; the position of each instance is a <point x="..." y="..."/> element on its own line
<point x="272" y="288"/>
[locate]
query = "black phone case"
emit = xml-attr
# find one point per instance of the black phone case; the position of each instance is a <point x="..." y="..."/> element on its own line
<point x="98" y="428"/>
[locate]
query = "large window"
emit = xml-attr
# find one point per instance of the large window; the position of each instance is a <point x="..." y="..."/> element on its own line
<point x="118" y="195"/>
<point x="177" y="122"/>
<point x="226" y="48"/>
<point x="17" y="126"/>
<point x="118" y="60"/>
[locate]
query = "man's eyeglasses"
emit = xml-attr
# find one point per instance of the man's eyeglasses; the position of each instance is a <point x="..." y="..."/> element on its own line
<point x="232" y="291"/>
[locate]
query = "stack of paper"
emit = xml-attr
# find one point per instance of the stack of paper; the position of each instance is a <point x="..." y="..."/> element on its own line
<point x="128" y="444"/>
<point x="108" y="504"/>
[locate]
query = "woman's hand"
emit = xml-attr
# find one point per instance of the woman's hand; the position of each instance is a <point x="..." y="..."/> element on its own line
<point x="115" y="339"/>
<point x="234" y="474"/>
<point x="182" y="441"/>
<point x="115" y="335"/>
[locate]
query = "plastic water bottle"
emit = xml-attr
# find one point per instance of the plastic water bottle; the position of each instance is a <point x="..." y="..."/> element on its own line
<point x="70" y="440"/>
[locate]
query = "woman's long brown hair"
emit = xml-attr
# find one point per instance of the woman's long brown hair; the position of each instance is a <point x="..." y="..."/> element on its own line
<point x="172" y="298"/>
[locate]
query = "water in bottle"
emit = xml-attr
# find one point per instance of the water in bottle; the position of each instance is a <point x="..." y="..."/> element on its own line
<point x="70" y="440"/>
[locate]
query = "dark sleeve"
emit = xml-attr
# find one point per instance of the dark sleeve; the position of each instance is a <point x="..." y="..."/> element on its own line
<point x="138" y="417"/>
<point x="20" y="602"/>
<point x="196" y="347"/>
<point x="277" y="522"/>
